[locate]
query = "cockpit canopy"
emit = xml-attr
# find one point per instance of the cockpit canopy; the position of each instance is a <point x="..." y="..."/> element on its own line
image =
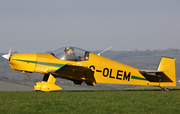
<point x="71" y="54"/>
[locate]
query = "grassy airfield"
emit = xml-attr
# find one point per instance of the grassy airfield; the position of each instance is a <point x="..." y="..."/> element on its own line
<point x="138" y="101"/>
<point x="17" y="99"/>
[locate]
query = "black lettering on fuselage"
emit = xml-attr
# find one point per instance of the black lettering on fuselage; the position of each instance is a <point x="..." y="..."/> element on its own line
<point x="105" y="72"/>
<point x="110" y="75"/>
<point x="127" y="77"/>
<point x="93" y="68"/>
<point x="119" y="74"/>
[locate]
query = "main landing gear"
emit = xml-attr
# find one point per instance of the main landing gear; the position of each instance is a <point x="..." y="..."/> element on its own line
<point x="47" y="84"/>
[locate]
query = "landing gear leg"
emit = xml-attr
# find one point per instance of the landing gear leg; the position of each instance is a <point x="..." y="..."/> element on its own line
<point x="163" y="88"/>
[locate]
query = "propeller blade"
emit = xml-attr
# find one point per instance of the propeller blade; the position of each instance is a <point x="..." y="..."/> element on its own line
<point x="7" y="56"/>
<point x="24" y="72"/>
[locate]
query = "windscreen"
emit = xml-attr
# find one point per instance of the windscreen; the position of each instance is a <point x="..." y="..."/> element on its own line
<point x="71" y="54"/>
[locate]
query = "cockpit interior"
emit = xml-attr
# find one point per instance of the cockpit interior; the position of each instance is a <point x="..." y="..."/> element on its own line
<point x="70" y="53"/>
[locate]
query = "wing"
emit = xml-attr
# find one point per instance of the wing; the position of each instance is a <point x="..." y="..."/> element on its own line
<point x="155" y="76"/>
<point x="77" y="74"/>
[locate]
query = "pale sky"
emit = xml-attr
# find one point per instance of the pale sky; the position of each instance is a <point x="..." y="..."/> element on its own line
<point x="44" y="25"/>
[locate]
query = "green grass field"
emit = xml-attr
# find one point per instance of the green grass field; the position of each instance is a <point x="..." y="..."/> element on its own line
<point x="91" y="102"/>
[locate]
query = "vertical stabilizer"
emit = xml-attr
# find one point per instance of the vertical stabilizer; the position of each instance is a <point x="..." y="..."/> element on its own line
<point x="167" y="66"/>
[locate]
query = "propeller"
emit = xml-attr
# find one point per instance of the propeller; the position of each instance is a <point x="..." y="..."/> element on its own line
<point x="7" y="56"/>
<point x="24" y="72"/>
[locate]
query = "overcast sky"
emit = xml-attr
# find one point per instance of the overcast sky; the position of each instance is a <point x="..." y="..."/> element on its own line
<point x="44" y="25"/>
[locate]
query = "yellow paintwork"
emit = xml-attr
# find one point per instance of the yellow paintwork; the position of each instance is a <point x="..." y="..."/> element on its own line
<point x="46" y="86"/>
<point x="41" y="68"/>
<point x="167" y="65"/>
<point x="51" y="79"/>
<point x="100" y="63"/>
<point x="37" y="86"/>
<point x="16" y="62"/>
<point x="105" y="70"/>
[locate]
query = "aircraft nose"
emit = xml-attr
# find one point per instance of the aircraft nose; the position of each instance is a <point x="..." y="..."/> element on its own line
<point x="23" y="62"/>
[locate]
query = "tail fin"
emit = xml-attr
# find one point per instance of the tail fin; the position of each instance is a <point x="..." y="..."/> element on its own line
<point x="167" y="66"/>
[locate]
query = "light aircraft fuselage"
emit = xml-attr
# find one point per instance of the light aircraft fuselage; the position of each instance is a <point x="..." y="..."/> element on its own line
<point x="89" y="68"/>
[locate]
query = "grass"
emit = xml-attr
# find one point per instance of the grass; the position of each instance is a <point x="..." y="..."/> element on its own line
<point x="92" y="101"/>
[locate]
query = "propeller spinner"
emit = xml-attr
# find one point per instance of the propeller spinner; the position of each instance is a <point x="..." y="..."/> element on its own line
<point x="7" y="56"/>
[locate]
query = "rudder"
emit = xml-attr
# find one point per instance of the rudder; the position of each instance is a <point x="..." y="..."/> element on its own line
<point x="167" y="66"/>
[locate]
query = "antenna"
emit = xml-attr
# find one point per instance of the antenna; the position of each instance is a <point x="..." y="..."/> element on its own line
<point x="104" y="50"/>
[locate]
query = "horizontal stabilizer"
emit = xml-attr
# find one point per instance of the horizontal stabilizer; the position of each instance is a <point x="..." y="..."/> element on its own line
<point x="165" y="74"/>
<point x="148" y="71"/>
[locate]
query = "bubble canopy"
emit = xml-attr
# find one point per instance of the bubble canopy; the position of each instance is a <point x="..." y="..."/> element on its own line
<point x="71" y="53"/>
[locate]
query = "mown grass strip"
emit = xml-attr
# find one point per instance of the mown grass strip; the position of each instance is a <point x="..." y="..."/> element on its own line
<point x="93" y="101"/>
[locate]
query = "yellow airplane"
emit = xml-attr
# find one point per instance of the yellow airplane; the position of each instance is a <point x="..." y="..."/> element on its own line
<point x="80" y="66"/>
